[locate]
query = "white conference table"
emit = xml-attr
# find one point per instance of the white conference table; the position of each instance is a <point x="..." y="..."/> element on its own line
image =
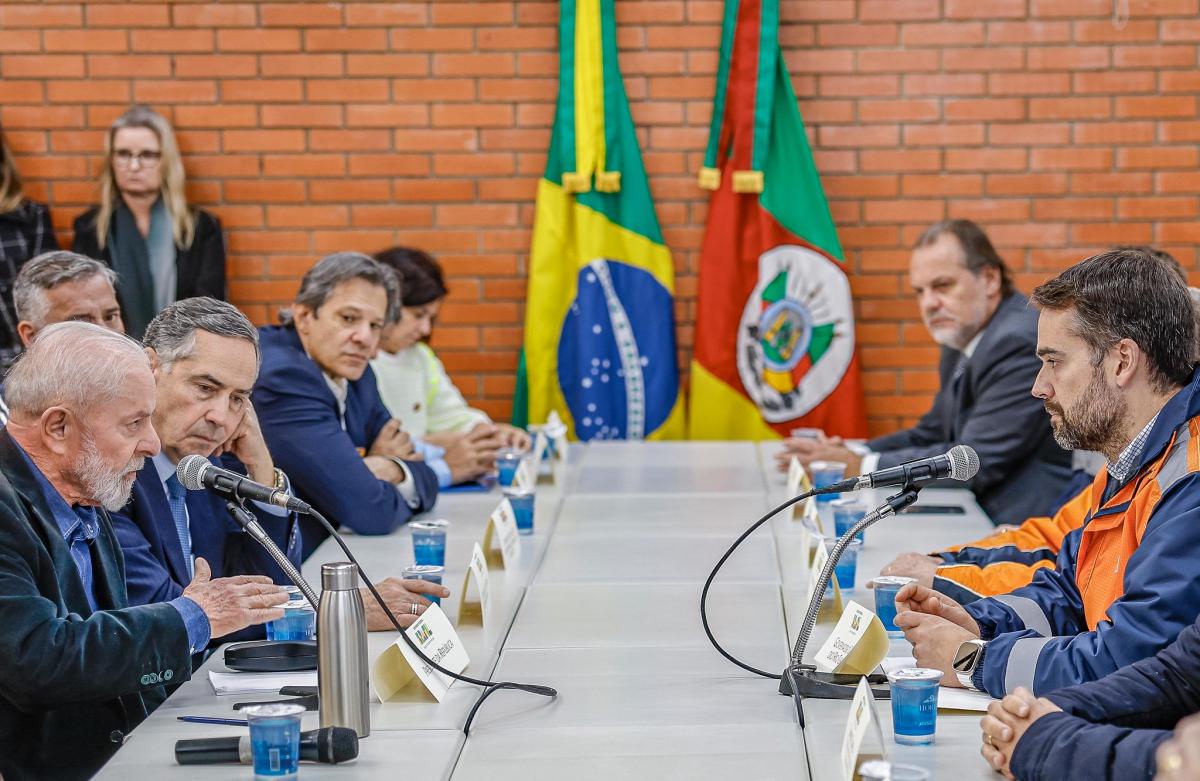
<point x="605" y="607"/>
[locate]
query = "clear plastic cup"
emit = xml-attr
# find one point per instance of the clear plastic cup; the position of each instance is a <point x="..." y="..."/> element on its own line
<point x="882" y="770"/>
<point x="507" y="461"/>
<point x="846" y="513"/>
<point x="275" y="740"/>
<point x="825" y="473"/>
<point x="522" y="504"/>
<point x="299" y="620"/>
<point x="846" y="568"/>
<point x="429" y="541"/>
<point x="914" y="704"/>
<point x="885" y="588"/>
<point x="429" y="572"/>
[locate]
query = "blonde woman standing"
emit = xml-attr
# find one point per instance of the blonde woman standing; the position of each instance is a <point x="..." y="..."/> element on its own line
<point x="162" y="249"/>
<point x="25" y="232"/>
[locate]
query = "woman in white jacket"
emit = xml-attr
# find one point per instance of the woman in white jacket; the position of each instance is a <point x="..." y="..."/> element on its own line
<point x="414" y="384"/>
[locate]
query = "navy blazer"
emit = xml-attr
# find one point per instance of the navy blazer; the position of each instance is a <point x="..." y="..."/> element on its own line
<point x="1022" y="470"/>
<point x="154" y="567"/>
<point x="73" y="682"/>
<point x="299" y="418"/>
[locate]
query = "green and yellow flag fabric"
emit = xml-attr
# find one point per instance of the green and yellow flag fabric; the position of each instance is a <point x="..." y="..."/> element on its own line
<point x="775" y="321"/>
<point x="599" y="322"/>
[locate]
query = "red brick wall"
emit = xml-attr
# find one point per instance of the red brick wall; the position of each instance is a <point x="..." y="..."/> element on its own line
<point x="316" y="127"/>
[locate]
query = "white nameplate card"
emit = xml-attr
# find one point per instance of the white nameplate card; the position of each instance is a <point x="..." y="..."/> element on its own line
<point x="861" y="712"/>
<point x="475" y="611"/>
<point x="544" y="470"/>
<point x="819" y="558"/>
<point x="558" y="435"/>
<point x="399" y="674"/>
<point x="858" y="643"/>
<point x="502" y="526"/>
<point x="527" y="474"/>
<point x="798" y="482"/>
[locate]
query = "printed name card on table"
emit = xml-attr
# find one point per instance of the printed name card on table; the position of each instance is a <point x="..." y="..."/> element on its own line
<point x="544" y="470"/>
<point x="475" y="611"/>
<point x="858" y="643"/>
<point x="502" y="526"/>
<point x="862" y="715"/>
<point x="820" y="558"/>
<point x="527" y="474"/>
<point x="557" y="431"/>
<point x="398" y="674"/>
<point x="798" y="482"/>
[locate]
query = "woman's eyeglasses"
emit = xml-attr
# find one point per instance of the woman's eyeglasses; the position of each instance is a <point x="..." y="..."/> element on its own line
<point x="147" y="159"/>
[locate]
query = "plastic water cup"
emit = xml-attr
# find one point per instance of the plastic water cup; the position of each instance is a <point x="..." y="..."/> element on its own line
<point x="882" y="770"/>
<point x="429" y="541"/>
<point x="507" y="461"/>
<point x="914" y="704"/>
<point x="886" y="587"/>
<point x="847" y="566"/>
<point x="825" y="473"/>
<point x="522" y="504"/>
<point x="299" y="620"/>
<point x="433" y="574"/>
<point x="275" y="740"/>
<point x="846" y="513"/>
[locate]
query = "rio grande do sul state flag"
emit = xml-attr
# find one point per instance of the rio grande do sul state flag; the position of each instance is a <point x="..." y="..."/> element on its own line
<point x="599" y="323"/>
<point x="775" y="344"/>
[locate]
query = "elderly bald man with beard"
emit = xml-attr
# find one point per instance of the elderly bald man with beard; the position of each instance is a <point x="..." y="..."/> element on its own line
<point x="80" y="667"/>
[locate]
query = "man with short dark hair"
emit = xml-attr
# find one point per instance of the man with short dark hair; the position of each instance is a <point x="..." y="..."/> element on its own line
<point x="81" y="668"/>
<point x="320" y="409"/>
<point x="1118" y="377"/>
<point x="987" y="333"/>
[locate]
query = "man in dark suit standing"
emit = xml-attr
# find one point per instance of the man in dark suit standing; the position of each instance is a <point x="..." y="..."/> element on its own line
<point x="205" y="357"/>
<point x="320" y="409"/>
<point x="81" y="668"/>
<point x="988" y="335"/>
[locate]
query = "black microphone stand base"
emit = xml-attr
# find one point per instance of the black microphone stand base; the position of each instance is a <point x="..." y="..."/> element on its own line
<point x="803" y="681"/>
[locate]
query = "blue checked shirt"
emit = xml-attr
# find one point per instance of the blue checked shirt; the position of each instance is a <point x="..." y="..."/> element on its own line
<point x="79" y="526"/>
<point x="1121" y="469"/>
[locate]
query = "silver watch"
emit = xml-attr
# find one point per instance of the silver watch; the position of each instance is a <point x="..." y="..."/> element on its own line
<point x="966" y="661"/>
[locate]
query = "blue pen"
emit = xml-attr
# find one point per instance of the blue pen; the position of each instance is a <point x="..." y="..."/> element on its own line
<point x="213" y="720"/>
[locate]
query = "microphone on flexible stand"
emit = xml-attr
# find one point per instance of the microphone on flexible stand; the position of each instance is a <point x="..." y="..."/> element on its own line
<point x="803" y="680"/>
<point x="328" y="745"/>
<point x="196" y="473"/>
<point x="960" y="463"/>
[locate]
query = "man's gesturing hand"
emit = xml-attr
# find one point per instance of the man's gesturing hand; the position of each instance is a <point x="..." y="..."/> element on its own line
<point x="235" y="603"/>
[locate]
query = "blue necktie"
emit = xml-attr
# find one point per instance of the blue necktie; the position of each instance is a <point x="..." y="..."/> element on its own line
<point x="177" y="498"/>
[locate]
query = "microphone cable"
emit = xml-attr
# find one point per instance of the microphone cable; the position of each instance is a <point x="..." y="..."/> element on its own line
<point x="490" y="687"/>
<point x="712" y="576"/>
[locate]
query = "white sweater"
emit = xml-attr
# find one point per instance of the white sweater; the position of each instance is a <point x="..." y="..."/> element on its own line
<point x="416" y="389"/>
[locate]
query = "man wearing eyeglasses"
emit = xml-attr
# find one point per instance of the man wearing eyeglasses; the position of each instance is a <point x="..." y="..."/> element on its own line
<point x="162" y="249"/>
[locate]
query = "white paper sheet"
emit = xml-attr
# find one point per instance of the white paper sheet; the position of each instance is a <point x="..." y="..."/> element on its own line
<point x="256" y="683"/>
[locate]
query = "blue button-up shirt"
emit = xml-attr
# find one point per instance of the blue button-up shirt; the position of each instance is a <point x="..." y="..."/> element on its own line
<point x="79" y="526"/>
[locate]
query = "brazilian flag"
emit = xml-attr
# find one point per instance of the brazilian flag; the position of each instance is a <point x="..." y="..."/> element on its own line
<point x="599" y="321"/>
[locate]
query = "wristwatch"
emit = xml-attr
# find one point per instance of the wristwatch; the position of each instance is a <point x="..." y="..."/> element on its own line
<point x="966" y="661"/>
<point x="280" y="482"/>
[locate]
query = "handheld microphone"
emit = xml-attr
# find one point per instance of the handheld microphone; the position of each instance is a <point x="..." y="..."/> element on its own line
<point x="959" y="463"/>
<point x="328" y="745"/>
<point x="196" y="473"/>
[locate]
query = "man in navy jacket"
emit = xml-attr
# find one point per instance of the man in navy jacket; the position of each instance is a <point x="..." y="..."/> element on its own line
<point x="204" y="354"/>
<point x="320" y="409"/>
<point x="1105" y="729"/>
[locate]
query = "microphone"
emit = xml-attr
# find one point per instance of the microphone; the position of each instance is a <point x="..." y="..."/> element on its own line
<point x="959" y="463"/>
<point x="196" y="473"/>
<point x="328" y="745"/>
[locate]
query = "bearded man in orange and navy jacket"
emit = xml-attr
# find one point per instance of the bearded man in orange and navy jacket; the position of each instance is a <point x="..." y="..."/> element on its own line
<point x="1117" y="377"/>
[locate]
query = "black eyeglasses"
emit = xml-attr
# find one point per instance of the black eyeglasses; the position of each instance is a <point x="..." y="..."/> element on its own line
<point x="147" y="159"/>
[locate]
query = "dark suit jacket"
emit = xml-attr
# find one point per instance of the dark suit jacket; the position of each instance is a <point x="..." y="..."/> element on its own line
<point x="154" y="567"/>
<point x="72" y="682"/>
<point x="1022" y="470"/>
<point x="299" y="418"/>
<point x="200" y="267"/>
